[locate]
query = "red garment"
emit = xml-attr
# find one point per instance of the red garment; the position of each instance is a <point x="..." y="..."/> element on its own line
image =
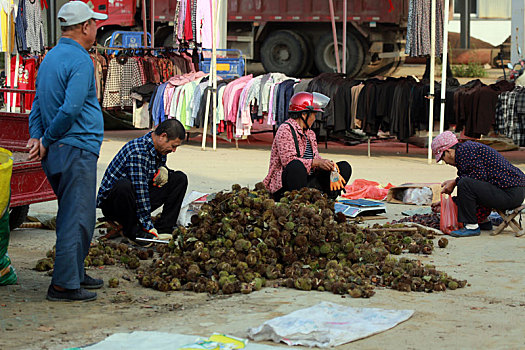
<point x="284" y="151"/>
<point x="188" y="28"/>
<point x="361" y="188"/>
<point x="26" y="80"/>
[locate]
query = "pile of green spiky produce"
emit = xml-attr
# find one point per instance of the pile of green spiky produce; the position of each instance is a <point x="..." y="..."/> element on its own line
<point x="102" y="254"/>
<point x="242" y="238"/>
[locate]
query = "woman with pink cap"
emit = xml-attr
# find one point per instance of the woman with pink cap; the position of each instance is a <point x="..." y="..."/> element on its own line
<point x="485" y="181"/>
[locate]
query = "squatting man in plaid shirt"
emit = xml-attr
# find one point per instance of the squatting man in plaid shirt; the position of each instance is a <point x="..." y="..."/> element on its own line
<point x="137" y="182"/>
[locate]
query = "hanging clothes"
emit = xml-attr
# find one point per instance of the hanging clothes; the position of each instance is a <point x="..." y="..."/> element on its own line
<point x="123" y="75"/>
<point x="157" y="105"/>
<point x="21" y="27"/>
<point x="231" y="97"/>
<point x="35" y="31"/>
<point x="25" y="81"/>
<point x="510" y="115"/>
<point x="204" y="24"/>
<point x="175" y="81"/>
<point x="7" y="27"/>
<point x="284" y="94"/>
<point x="188" y="30"/>
<point x="418" y="27"/>
<point x="326" y="84"/>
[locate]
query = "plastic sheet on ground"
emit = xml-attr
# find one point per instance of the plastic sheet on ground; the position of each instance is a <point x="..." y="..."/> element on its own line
<point x="190" y="205"/>
<point x="418" y="196"/>
<point x="158" y="341"/>
<point x="328" y="324"/>
<point x="418" y="211"/>
<point x="361" y="188"/>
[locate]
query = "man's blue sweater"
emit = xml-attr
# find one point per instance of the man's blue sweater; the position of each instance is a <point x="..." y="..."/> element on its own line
<point x="66" y="108"/>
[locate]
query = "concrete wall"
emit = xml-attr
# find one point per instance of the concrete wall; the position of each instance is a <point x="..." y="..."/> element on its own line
<point x="492" y="9"/>
<point x="494" y="31"/>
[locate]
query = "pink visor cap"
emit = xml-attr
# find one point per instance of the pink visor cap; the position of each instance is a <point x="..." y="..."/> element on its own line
<point x="442" y="142"/>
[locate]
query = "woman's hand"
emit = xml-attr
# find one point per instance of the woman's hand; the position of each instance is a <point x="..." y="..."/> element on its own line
<point x="436" y="207"/>
<point x="448" y="186"/>
<point x="324" y="164"/>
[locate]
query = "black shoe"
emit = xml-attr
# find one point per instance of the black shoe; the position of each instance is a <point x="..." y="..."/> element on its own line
<point x="485" y="226"/>
<point x="70" y="295"/>
<point x="91" y="283"/>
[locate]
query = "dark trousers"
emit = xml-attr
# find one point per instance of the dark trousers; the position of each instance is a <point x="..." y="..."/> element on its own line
<point x="295" y="177"/>
<point x="121" y="205"/>
<point x="72" y="173"/>
<point x="472" y="193"/>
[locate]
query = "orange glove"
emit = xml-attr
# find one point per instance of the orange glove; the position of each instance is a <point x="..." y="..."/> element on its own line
<point x="337" y="182"/>
<point x="153" y="231"/>
<point x="161" y="177"/>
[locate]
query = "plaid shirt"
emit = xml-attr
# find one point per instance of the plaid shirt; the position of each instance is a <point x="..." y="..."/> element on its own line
<point x="509" y="115"/>
<point x="137" y="161"/>
<point x="121" y="78"/>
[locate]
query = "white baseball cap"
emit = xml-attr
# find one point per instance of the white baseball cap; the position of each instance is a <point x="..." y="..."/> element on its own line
<point x="75" y="12"/>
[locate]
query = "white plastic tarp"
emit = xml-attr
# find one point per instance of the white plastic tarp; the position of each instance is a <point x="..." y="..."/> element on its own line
<point x="185" y="210"/>
<point x="328" y="324"/>
<point x="158" y="341"/>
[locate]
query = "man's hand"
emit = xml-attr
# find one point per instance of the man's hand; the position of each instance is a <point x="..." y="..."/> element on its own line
<point x="160" y="236"/>
<point x="448" y="186"/>
<point x="324" y="164"/>
<point x="153" y="231"/>
<point x="34" y="149"/>
<point x="43" y="150"/>
<point x="161" y="177"/>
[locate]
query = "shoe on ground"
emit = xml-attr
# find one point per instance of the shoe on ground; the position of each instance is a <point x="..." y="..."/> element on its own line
<point x="70" y="294"/>
<point x="465" y="232"/>
<point x="164" y="236"/>
<point x="146" y="235"/>
<point x="91" y="283"/>
<point x="486" y="226"/>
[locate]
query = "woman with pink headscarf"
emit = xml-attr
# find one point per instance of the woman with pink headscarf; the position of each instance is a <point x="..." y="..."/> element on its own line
<point x="485" y="180"/>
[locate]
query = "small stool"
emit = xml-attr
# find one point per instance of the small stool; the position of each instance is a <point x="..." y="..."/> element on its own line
<point x="509" y="220"/>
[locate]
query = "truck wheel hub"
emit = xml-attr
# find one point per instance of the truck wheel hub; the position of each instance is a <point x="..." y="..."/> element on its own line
<point x="281" y="53"/>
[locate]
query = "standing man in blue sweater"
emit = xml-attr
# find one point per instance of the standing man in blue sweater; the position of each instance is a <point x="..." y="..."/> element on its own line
<point x="66" y="128"/>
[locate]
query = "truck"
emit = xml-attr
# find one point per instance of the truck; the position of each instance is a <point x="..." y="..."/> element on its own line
<point x="290" y="36"/>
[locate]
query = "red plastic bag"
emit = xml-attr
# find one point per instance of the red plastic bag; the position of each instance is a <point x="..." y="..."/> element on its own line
<point x="449" y="214"/>
<point x="361" y="188"/>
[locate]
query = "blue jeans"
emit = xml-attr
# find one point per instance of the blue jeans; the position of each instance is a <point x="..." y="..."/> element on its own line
<point x="72" y="173"/>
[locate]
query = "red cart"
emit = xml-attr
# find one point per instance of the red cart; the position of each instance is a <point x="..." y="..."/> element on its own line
<point x="28" y="181"/>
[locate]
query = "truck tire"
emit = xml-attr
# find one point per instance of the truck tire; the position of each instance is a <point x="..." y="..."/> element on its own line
<point x="325" y="54"/>
<point x="385" y="66"/>
<point x="168" y="41"/>
<point x="284" y="51"/>
<point x="17" y="216"/>
<point x="309" y="57"/>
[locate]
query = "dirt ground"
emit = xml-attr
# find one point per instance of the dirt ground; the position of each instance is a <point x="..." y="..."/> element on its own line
<point x="489" y="313"/>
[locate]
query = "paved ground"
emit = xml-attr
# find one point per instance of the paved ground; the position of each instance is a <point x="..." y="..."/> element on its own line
<point x="489" y="313"/>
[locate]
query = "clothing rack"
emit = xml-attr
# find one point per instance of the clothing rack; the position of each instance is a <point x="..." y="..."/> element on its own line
<point x="139" y="50"/>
